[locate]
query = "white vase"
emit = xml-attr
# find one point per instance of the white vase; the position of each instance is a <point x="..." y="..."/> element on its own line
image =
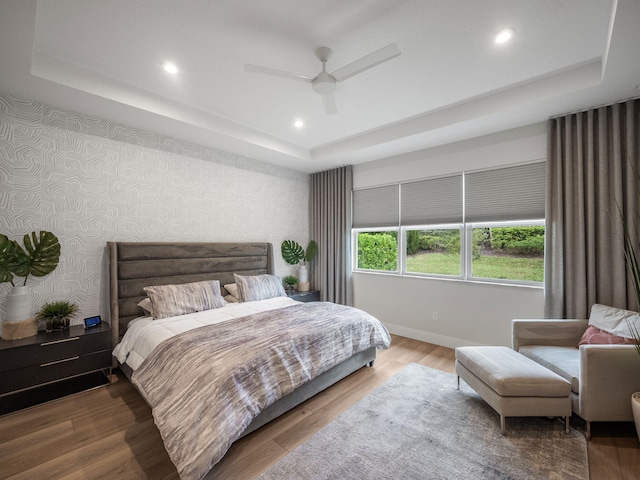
<point x="303" y="274"/>
<point x="635" y="408"/>
<point x="19" y="305"/>
<point x="303" y="279"/>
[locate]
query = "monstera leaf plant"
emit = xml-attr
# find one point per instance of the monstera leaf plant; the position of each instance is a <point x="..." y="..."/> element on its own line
<point x="39" y="257"/>
<point x="294" y="254"/>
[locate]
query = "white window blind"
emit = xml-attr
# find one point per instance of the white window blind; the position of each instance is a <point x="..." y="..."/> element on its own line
<point x="376" y="207"/>
<point x="432" y="201"/>
<point x="505" y="194"/>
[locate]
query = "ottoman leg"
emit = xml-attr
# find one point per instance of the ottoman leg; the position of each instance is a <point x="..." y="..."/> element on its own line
<point x="502" y="424"/>
<point x="566" y="425"/>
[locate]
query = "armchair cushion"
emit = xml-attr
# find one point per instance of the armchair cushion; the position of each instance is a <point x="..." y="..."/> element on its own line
<point x="614" y="320"/>
<point x="564" y="361"/>
<point x="596" y="336"/>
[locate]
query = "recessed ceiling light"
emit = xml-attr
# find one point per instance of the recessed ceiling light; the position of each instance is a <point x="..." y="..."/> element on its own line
<point x="170" y="67"/>
<point x="504" y="35"/>
<point x="298" y="123"/>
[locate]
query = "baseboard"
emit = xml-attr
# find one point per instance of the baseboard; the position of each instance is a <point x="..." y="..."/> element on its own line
<point x="429" y="337"/>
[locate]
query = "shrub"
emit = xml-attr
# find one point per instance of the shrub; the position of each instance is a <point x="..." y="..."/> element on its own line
<point x="440" y="240"/>
<point x="518" y="240"/>
<point x="378" y="251"/>
<point x="413" y="241"/>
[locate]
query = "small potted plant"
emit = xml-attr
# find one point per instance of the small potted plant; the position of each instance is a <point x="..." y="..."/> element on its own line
<point x="56" y="315"/>
<point x="290" y="282"/>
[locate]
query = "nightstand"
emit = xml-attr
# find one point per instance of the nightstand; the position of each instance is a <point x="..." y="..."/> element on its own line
<point x="31" y="368"/>
<point x="311" y="296"/>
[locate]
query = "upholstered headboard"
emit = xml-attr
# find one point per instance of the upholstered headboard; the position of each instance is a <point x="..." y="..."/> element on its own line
<point x="135" y="265"/>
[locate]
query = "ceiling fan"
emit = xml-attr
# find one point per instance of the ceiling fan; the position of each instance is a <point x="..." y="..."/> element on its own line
<point x="325" y="83"/>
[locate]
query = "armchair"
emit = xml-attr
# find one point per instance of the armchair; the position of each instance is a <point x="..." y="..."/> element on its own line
<point x="602" y="377"/>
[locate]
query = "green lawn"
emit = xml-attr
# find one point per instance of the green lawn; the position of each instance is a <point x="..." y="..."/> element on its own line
<point x="499" y="267"/>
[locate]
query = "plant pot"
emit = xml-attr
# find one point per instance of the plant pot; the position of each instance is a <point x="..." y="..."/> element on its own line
<point x="635" y="408"/>
<point x="56" y="324"/>
<point x="303" y="274"/>
<point x="303" y="279"/>
<point x="19" y="305"/>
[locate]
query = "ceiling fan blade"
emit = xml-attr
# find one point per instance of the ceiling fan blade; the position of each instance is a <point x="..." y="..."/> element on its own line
<point x="366" y="62"/>
<point x="276" y="73"/>
<point x="329" y="102"/>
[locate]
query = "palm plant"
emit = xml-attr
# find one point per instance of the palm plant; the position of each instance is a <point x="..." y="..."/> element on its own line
<point x="633" y="270"/>
<point x="631" y="255"/>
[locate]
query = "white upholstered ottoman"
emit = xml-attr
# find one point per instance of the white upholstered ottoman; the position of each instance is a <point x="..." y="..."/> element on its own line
<point x="514" y="385"/>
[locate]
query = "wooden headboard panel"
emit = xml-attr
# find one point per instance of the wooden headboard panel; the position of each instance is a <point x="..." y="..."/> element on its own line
<point x="135" y="265"/>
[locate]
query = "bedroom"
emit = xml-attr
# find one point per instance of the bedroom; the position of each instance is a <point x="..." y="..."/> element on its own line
<point x="152" y="193"/>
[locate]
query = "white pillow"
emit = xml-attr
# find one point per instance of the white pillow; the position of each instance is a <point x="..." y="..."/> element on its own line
<point x="232" y="288"/>
<point x="258" y="287"/>
<point x="174" y="300"/>
<point x="614" y="320"/>
<point x="147" y="306"/>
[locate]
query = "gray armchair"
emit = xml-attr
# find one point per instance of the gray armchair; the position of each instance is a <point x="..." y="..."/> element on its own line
<point x="602" y="377"/>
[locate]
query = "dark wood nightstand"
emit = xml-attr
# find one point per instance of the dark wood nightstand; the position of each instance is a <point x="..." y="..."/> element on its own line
<point x="311" y="296"/>
<point x="31" y="367"/>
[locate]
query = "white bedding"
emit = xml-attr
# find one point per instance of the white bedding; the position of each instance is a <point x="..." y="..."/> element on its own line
<point x="144" y="334"/>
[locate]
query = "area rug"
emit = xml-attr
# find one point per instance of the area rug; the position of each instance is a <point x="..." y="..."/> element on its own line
<point x="417" y="425"/>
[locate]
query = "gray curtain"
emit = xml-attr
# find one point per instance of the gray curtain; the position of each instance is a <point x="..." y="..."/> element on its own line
<point x="331" y="227"/>
<point x="592" y="196"/>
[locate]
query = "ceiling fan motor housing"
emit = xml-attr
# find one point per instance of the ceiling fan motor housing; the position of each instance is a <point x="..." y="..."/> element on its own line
<point x="324" y="83"/>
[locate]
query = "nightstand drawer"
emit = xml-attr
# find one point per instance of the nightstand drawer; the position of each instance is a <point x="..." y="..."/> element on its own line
<point x="52" y="347"/>
<point x="48" y="371"/>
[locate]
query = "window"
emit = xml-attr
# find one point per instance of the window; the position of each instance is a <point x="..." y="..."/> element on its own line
<point x="433" y="251"/>
<point x="485" y="225"/>
<point x="377" y="211"/>
<point x="512" y="252"/>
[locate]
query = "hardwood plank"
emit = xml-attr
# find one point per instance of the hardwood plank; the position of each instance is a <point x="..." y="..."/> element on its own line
<point x="109" y="432"/>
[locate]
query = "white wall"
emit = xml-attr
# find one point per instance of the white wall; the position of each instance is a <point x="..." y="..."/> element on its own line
<point x="468" y="312"/>
<point x="90" y="181"/>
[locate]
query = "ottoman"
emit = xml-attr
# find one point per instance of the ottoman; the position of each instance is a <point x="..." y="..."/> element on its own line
<point x="512" y="384"/>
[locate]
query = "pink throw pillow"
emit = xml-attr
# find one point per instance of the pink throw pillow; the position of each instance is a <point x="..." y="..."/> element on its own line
<point x="596" y="336"/>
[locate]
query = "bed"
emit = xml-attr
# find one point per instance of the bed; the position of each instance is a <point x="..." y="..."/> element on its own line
<point x="278" y="326"/>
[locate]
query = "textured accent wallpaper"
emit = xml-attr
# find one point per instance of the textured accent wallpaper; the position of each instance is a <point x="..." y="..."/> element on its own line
<point x="89" y="181"/>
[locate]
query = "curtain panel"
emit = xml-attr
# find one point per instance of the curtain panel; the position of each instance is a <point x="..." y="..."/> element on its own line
<point x="593" y="195"/>
<point x="331" y="227"/>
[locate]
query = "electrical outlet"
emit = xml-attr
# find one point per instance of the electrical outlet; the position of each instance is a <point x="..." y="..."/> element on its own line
<point x="434" y="315"/>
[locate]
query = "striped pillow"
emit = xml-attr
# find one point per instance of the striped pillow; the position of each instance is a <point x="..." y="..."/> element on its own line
<point x="258" y="287"/>
<point x="174" y="300"/>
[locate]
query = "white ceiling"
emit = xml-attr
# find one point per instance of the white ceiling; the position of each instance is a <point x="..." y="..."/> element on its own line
<point x="450" y="83"/>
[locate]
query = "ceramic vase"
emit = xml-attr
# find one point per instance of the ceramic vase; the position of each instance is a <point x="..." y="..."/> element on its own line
<point x="19" y="305"/>
<point x="303" y="279"/>
<point x="18" y="321"/>
<point x="635" y="408"/>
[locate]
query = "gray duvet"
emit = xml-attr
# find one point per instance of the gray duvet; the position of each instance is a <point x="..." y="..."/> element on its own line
<point x="206" y="385"/>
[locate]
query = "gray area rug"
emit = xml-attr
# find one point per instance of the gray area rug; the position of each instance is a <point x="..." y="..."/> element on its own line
<point x="417" y="425"/>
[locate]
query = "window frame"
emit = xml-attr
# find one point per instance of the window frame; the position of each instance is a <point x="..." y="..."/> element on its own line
<point x="514" y="223"/>
<point x="354" y="247"/>
<point x="529" y="194"/>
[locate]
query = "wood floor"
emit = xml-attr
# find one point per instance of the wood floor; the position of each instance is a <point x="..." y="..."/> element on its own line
<point x="108" y="433"/>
